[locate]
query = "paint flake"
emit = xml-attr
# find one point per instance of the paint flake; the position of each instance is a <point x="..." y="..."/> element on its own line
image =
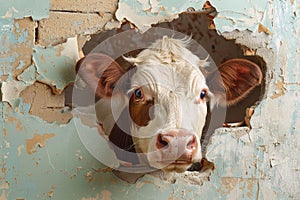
<point x="243" y="15"/>
<point x="58" y="70"/>
<point x="145" y="13"/>
<point x="11" y="90"/>
<point x="19" y="9"/>
<point x="16" y="41"/>
<point x="37" y="140"/>
<point x="280" y="89"/>
<point x="28" y="76"/>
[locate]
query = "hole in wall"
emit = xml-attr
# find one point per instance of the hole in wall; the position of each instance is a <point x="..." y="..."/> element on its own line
<point x="198" y="24"/>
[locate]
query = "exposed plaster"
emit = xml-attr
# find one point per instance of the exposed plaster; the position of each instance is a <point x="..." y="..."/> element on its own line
<point x="60" y="63"/>
<point x="37" y="140"/>
<point x="279" y="91"/>
<point x="55" y="65"/>
<point x="96" y="6"/>
<point x="73" y="17"/>
<point x="260" y="164"/>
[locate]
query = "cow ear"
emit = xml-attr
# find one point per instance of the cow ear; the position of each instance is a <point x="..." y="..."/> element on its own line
<point x="100" y="72"/>
<point x="233" y="80"/>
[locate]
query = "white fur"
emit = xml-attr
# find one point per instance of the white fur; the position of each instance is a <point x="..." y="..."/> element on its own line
<point x="168" y="73"/>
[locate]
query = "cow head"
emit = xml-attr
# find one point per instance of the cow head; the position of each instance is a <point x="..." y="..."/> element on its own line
<point x="159" y="106"/>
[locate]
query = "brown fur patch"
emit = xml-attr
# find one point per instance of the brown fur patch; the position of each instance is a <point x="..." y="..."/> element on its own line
<point x="139" y="110"/>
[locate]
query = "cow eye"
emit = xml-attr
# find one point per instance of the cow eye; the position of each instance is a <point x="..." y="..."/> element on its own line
<point x="203" y="94"/>
<point x="138" y="94"/>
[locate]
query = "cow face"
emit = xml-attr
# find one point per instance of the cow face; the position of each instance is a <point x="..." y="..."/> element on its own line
<point x="162" y="109"/>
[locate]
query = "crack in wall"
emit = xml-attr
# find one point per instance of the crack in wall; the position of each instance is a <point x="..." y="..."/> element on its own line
<point x="82" y="12"/>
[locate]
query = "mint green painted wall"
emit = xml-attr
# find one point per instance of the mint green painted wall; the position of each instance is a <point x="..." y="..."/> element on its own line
<point x="263" y="164"/>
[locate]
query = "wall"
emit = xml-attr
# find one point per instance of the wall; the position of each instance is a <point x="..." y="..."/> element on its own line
<point x="42" y="156"/>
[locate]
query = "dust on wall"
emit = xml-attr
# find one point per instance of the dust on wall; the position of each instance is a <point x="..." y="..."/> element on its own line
<point x="41" y="153"/>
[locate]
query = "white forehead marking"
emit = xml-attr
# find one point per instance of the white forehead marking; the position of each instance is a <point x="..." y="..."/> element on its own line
<point x="169" y="65"/>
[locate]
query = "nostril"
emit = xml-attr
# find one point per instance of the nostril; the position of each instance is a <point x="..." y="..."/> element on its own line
<point x="192" y="144"/>
<point x="162" y="142"/>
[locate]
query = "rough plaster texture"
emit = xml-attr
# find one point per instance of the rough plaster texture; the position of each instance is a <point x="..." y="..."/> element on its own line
<point x="96" y="6"/>
<point x="42" y="160"/>
<point x="62" y="25"/>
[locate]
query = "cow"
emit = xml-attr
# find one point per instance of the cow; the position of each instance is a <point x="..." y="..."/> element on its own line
<point x="158" y="107"/>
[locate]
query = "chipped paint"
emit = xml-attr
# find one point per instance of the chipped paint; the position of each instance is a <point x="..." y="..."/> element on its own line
<point x="19" y="9"/>
<point x="243" y="15"/>
<point x="280" y="88"/>
<point x="55" y="65"/>
<point x="144" y="13"/>
<point x="44" y="104"/>
<point x="28" y="76"/>
<point x="37" y="140"/>
<point x="16" y="40"/>
<point x="11" y="90"/>
<point x="262" y="28"/>
<point x="261" y="163"/>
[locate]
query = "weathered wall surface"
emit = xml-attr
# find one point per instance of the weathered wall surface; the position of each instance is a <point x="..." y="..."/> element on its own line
<point x="41" y="154"/>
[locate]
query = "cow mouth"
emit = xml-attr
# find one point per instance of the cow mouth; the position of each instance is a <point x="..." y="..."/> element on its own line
<point x="176" y="162"/>
<point x="178" y="166"/>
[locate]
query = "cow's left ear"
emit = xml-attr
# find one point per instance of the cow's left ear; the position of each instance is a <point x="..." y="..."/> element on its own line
<point x="233" y="80"/>
<point x="100" y="72"/>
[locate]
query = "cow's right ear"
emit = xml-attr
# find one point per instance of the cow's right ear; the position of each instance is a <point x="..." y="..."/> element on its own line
<point x="100" y="72"/>
<point x="233" y="80"/>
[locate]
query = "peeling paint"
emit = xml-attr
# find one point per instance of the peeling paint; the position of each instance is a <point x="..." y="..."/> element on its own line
<point x="44" y="104"/>
<point x="16" y="41"/>
<point x="243" y="15"/>
<point x="262" y="28"/>
<point x="28" y="76"/>
<point x="19" y="9"/>
<point x="261" y="163"/>
<point x="37" y="140"/>
<point x="280" y="88"/>
<point x="11" y="90"/>
<point x="58" y="69"/>
<point x="144" y="13"/>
